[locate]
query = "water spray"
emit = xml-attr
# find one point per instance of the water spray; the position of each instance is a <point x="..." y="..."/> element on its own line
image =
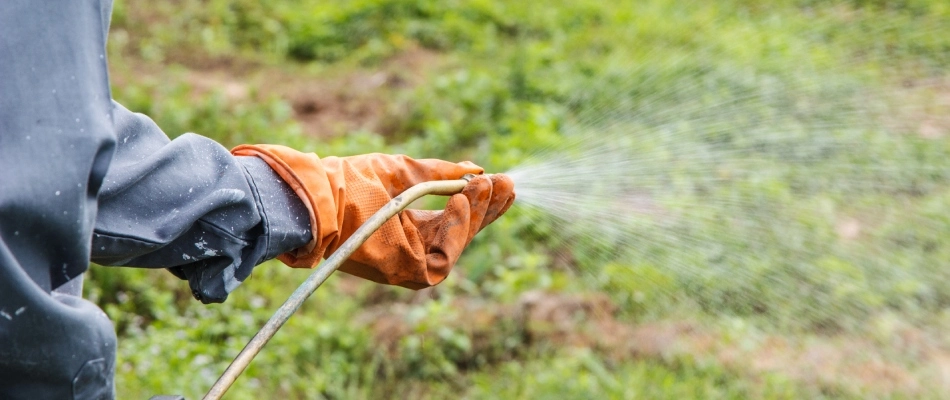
<point x="320" y="275"/>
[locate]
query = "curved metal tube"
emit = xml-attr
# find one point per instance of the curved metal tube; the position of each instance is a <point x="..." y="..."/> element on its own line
<point x="397" y="204"/>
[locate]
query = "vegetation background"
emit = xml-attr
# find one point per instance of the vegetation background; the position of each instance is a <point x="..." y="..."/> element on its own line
<point x="494" y="81"/>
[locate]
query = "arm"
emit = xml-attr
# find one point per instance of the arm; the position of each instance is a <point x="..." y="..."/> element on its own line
<point x="190" y="206"/>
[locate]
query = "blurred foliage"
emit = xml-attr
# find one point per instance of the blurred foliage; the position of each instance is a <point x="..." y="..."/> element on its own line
<point x="512" y="78"/>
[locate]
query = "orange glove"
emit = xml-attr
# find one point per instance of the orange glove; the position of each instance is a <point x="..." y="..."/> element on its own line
<point x="415" y="249"/>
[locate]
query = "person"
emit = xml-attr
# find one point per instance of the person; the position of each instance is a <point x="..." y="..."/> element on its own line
<point x="82" y="178"/>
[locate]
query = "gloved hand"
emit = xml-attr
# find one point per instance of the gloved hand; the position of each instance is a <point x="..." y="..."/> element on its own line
<point x="415" y="249"/>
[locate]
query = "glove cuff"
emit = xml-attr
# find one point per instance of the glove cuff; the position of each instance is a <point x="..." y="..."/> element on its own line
<point x="305" y="175"/>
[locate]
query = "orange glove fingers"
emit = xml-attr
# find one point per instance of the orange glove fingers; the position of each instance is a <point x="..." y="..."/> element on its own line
<point x="444" y="239"/>
<point x="404" y="172"/>
<point x="399" y="172"/>
<point x="461" y="219"/>
<point x="502" y="197"/>
<point x="447" y="233"/>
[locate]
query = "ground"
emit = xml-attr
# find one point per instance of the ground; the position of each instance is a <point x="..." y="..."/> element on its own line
<point x="527" y="314"/>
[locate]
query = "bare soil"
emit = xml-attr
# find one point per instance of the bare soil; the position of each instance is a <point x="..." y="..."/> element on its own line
<point x="839" y="363"/>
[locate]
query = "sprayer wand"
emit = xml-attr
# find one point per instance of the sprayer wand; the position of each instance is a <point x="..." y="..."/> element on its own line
<point x="393" y="207"/>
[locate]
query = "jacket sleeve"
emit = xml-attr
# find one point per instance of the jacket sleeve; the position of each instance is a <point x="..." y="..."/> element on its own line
<point x="189" y="206"/>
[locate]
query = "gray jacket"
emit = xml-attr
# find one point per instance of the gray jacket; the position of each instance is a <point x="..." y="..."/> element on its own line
<point x="82" y="178"/>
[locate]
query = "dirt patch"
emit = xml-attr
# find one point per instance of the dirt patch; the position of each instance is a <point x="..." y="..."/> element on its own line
<point x="326" y="105"/>
<point x="327" y="109"/>
<point x="920" y="106"/>
<point x="205" y="82"/>
<point x="848" y="228"/>
<point x="234" y="80"/>
<point x="825" y="364"/>
<point x="359" y="99"/>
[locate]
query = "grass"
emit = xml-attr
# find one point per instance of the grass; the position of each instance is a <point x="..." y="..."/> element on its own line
<point x="778" y="308"/>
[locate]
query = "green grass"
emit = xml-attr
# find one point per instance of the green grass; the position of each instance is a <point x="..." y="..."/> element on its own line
<point x="500" y="80"/>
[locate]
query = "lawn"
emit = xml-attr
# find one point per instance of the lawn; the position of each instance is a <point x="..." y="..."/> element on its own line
<point x="795" y="155"/>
